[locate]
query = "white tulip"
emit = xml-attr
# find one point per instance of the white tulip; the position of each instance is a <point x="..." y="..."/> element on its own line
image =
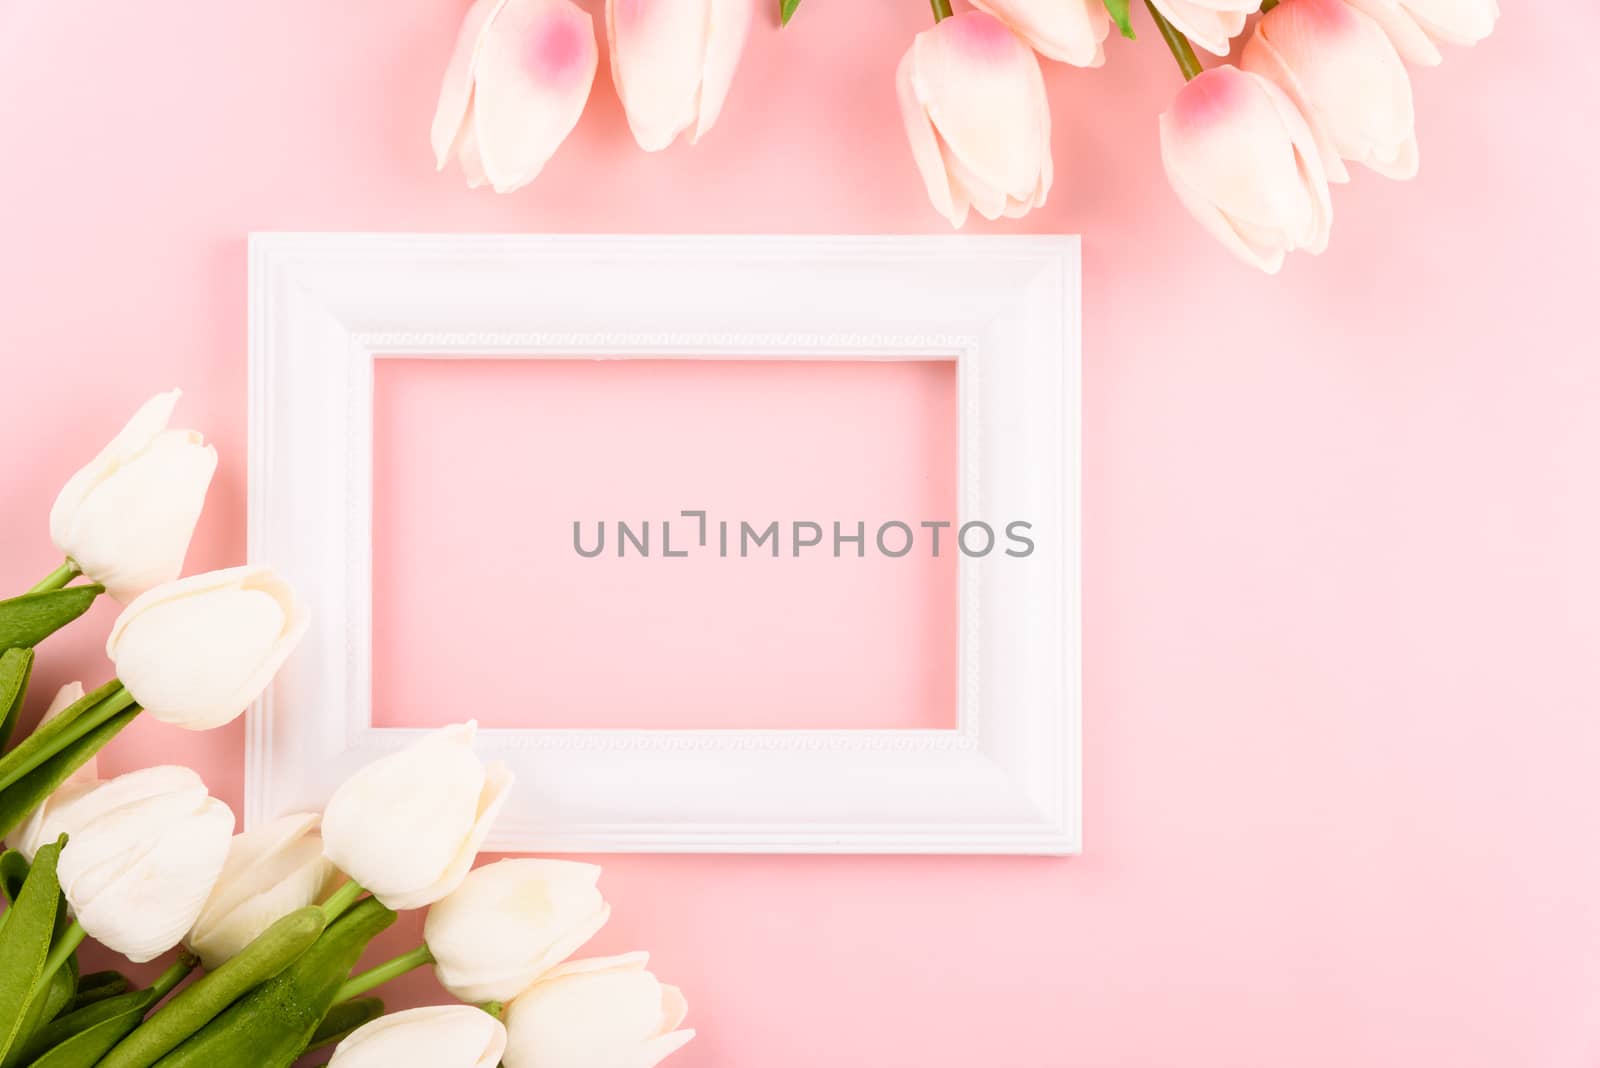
<point x="126" y="518"/>
<point x="143" y="852"/>
<point x="197" y="651"/>
<point x="509" y="923"/>
<point x="1415" y="26"/>
<point x="444" y="1036"/>
<point x="41" y="826"/>
<point x="407" y="826"/>
<point x="603" y="1013"/>
<point x="271" y="871"/>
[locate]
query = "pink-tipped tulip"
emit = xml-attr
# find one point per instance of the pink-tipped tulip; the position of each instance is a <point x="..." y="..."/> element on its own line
<point x="1245" y="164"/>
<point x="1339" y="68"/>
<point x="1070" y="31"/>
<point x="518" y="81"/>
<point x="672" y="62"/>
<point x="973" y="100"/>
<point x="1209" y="24"/>
<point x="1415" y="25"/>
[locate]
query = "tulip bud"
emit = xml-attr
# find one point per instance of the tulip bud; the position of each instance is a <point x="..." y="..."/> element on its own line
<point x="973" y="100"/>
<point x="408" y="825"/>
<point x="444" y="1036"/>
<point x="143" y="852"/>
<point x="1339" y="68"/>
<point x="514" y="89"/>
<point x="195" y="652"/>
<point x="270" y="872"/>
<point x="672" y="62"/>
<point x="1071" y="31"/>
<point x="43" y="824"/>
<point x="1414" y="25"/>
<point x="602" y="1013"/>
<point x="509" y="923"/>
<point x="1245" y="164"/>
<point x="126" y="518"/>
<point x="1209" y="24"/>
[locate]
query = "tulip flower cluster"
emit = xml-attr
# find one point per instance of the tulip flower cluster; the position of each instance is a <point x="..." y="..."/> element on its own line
<point x="1249" y="149"/>
<point x="276" y="917"/>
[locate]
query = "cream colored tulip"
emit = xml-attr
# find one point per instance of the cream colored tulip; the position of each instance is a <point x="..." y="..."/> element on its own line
<point x="1416" y="25"/>
<point x="408" y="826"/>
<point x="516" y="84"/>
<point x="196" y="652"/>
<point x="443" y="1036"/>
<point x="608" y="1012"/>
<point x="126" y="518"/>
<point x="672" y="62"/>
<point x="972" y="97"/>
<point x="511" y="922"/>
<point x="1339" y="68"/>
<point x="1071" y="31"/>
<point x="270" y="872"/>
<point x="1209" y="24"/>
<point x="143" y="853"/>
<point x="42" y="825"/>
<point x="1243" y="161"/>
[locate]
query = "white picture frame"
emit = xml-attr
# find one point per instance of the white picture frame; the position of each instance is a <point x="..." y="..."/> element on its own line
<point x="1006" y="779"/>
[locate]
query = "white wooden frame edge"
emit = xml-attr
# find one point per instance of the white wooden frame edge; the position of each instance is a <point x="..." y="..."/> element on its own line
<point x="1007" y="779"/>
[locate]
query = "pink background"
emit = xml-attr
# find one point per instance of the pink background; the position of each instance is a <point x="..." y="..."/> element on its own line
<point x="1342" y="688"/>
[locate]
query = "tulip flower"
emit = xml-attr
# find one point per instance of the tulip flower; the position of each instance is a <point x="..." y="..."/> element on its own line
<point x="1415" y="25"/>
<point x="408" y="826"/>
<point x="1339" y="68"/>
<point x="603" y="1013"/>
<point x="444" y="1036"/>
<point x="1243" y="161"/>
<point x="672" y="62"/>
<point x="197" y="651"/>
<point x="973" y="100"/>
<point x="143" y="853"/>
<point x="270" y="872"/>
<point x="509" y="923"/>
<point x="1071" y="31"/>
<point x="515" y="87"/>
<point x="1210" y="24"/>
<point x="43" y="825"/>
<point x="126" y="518"/>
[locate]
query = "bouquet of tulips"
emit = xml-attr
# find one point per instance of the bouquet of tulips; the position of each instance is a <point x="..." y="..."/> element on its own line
<point x="266" y="927"/>
<point x="1249" y="149"/>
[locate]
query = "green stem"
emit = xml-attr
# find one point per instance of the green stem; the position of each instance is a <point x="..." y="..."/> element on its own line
<point x="1268" y="5"/>
<point x="941" y="10"/>
<point x="341" y="899"/>
<point x="493" y="1008"/>
<point x="169" y="979"/>
<point x="24" y="760"/>
<point x="71" y="939"/>
<point x="357" y="985"/>
<point x="58" y="578"/>
<point x="1182" y="50"/>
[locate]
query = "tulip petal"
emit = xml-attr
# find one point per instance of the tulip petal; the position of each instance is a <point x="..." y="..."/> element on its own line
<point x="983" y="90"/>
<point x="925" y="148"/>
<point x="730" y="25"/>
<point x="534" y="72"/>
<point x="1206" y="27"/>
<point x="658" y="53"/>
<point x="270" y="872"/>
<point x="151" y="419"/>
<point x="1071" y="31"/>
<point x="609" y="1011"/>
<point x="1262" y="57"/>
<point x="440" y="1036"/>
<point x="1407" y="35"/>
<point x="1457" y="22"/>
<point x="455" y="95"/>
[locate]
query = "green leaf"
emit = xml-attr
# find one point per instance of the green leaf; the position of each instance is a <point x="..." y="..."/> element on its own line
<point x="13" y="872"/>
<point x="118" y="1011"/>
<point x="786" y="10"/>
<point x="28" y="792"/>
<point x="28" y="620"/>
<point x="1120" y="15"/>
<point x="25" y="942"/>
<point x="15" y="667"/>
<point x="344" y="1018"/>
<point x="97" y="986"/>
<point x="57" y="996"/>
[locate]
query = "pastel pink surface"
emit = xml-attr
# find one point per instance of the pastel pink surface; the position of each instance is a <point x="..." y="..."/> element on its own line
<point x="1340" y="562"/>
<point x="702" y="640"/>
